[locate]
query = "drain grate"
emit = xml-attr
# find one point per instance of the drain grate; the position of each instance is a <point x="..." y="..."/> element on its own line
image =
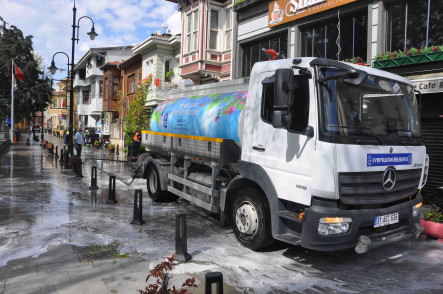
<point x="96" y="252"/>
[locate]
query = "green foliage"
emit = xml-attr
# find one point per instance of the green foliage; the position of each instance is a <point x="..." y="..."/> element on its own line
<point x="413" y="51"/>
<point x="35" y="86"/>
<point x="169" y="74"/>
<point x="435" y="215"/>
<point x="138" y="116"/>
<point x="238" y="2"/>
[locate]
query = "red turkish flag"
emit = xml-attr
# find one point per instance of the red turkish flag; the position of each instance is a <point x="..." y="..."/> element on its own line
<point x="157" y="82"/>
<point x="18" y="73"/>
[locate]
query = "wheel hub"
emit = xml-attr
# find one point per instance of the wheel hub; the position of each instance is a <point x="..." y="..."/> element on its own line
<point x="246" y="218"/>
<point x="153" y="182"/>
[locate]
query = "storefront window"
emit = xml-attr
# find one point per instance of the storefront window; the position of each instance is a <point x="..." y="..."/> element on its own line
<point x="414" y="24"/>
<point x="321" y="40"/>
<point x="253" y="52"/>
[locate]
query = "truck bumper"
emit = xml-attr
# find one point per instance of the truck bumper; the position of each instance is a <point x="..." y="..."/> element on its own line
<point x="361" y="234"/>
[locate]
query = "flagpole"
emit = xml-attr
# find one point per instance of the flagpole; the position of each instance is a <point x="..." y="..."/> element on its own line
<point x="12" y="103"/>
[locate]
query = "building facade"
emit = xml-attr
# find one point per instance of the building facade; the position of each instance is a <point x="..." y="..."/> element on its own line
<point x="361" y="30"/>
<point x="88" y="82"/>
<point x="160" y="60"/>
<point x="207" y="30"/>
<point x="57" y="112"/>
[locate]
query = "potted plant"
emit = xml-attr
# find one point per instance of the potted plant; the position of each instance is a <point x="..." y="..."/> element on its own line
<point x="433" y="223"/>
<point x="409" y="56"/>
<point x="111" y="148"/>
<point x="169" y="75"/>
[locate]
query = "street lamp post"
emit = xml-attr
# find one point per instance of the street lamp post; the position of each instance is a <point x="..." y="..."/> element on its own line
<point x="92" y="34"/>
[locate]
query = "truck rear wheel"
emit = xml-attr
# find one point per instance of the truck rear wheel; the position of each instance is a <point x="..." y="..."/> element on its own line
<point x="153" y="184"/>
<point x="251" y="219"/>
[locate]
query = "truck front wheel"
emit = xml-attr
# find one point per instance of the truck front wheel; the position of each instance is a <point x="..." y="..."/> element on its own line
<point x="251" y="219"/>
<point x="153" y="184"/>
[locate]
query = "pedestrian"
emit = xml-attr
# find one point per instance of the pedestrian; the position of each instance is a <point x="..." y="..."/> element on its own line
<point x="66" y="138"/>
<point x="136" y="141"/>
<point x="78" y="141"/>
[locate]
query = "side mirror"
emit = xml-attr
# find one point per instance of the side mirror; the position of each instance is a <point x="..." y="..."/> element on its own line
<point x="283" y="98"/>
<point x="309" y="131"/>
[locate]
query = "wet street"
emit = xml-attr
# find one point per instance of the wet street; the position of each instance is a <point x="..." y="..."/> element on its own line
<point x="50" y="221"/>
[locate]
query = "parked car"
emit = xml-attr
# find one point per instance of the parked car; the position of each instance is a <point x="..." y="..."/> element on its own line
<point x="36" y="129"/>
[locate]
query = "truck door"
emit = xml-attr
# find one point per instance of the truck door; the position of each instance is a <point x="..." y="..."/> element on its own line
<point x="285" y="154"/>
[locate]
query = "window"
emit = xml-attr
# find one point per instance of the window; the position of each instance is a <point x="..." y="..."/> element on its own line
<point x="213" y="33"/>
<point x="300" y="107"/>
<point x="149" y="67"/>
<point x="321" y="40"/>
<point x="191" y="31"/>
<point x="167" y="69"/>
<point x="100" y="60"/>
<point x="408" y="24"/>
<point x="107" y="89"/>
<point x="252" y="52"/>
<point x="100" y="88"/>
<point x="115" y="88"/>
<point x="82" y="73"/>
<point x="85" y="97"/>
<point x="131" y="84"/>
<point x="228" y="31"/>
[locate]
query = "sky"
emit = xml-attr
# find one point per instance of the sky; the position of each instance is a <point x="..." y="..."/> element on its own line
<point x="117" y="22"/>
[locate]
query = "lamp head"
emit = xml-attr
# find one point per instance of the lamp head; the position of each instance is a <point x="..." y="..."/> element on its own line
<point x="52" y="68"/>
<point x="92" y="34"/>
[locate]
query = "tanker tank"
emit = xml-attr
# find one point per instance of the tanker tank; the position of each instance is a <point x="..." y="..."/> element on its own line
<point x="214" y="115"/>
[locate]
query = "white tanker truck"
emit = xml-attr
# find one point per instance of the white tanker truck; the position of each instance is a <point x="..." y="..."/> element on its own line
<point x="316" y="152"/>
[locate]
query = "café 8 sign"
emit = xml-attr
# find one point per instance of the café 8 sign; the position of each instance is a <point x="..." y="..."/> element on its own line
<point x="283" y="11"/>
<point x="428" y="86"/>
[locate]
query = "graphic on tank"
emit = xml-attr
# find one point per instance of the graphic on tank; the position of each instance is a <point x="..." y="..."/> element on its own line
<point x="215" y="115"/>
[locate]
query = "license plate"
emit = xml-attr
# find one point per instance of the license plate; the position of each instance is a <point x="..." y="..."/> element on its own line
<point x="385" y="220"/>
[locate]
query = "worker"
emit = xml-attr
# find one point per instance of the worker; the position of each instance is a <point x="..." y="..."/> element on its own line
<point x="136" y="141"/>
<point x="87" y="138"/>
<point x="65" y="139"/>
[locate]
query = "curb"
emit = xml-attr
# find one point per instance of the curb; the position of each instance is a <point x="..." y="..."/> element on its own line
<point x="4" y="144"/>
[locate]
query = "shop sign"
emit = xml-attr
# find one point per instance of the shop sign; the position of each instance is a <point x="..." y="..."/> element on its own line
<point x="428" y="86"/>
<point x="283" y="11"/>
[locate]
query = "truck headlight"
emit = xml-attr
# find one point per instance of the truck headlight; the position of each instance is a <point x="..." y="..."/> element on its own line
<point x="415" y="209"/>
<point x="334" y="225"/>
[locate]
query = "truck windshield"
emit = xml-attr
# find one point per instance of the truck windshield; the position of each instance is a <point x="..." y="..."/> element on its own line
<point x="379" y="111"/>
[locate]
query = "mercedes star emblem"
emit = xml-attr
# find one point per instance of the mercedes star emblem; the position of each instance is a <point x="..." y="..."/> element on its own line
<point x="389" y="179"/>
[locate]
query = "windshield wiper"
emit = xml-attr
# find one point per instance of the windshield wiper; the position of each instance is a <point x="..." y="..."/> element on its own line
<point x="409" y="131"/>
<point x="361" y="128"/>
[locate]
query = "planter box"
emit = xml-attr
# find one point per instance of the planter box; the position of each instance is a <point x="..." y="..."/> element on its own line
<point x="432" y="229"/>
<point x="412" y="59"/>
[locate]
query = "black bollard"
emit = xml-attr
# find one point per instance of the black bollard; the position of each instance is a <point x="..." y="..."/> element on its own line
<point x="181" y="242"/>
<point x="61" y="155"/>
<point x="138" y="211"/>
<point x="28" y="143"/>
<point x="56" y="152"/>
<point x="93" y="178"/>
<point x="79" y="169"/>
<point x="211" y="278"/>
<point x="111" y="191"/>
<point x="117" y="149"/>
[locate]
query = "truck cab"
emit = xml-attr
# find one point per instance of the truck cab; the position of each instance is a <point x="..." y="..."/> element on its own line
<point x="331" y="157"/>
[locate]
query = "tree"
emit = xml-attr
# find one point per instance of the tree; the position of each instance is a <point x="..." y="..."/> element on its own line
<point x="33" y="93"/>
<point x="138" y="116"/>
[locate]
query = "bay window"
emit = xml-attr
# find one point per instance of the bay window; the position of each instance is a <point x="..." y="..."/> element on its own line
<point x="228" y="30"/>
<point x="213" y="33"/>
<point x="191" y="31"/>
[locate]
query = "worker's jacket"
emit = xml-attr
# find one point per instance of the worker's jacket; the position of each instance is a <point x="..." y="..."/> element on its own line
<point x="138" y="137"/>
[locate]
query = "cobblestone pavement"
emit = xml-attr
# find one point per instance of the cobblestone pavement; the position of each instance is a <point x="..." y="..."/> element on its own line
<point x="57" y="236"/>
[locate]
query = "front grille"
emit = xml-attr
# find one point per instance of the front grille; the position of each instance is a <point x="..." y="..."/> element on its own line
<point x="366" y="188"/>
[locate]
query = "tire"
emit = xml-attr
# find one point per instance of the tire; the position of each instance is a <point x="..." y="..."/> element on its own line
<point x="251" y="219"/>
<point x="153" y="184"/>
